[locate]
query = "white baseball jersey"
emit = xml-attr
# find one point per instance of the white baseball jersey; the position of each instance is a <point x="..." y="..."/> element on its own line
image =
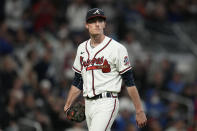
<point x="101" y="66"/>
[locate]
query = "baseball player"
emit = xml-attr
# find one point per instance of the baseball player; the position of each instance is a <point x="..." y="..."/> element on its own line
<point x="100" y="66"/>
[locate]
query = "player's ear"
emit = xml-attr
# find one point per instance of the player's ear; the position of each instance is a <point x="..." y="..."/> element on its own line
<point x="104" y="25"/>
<point x="86" y="25"/>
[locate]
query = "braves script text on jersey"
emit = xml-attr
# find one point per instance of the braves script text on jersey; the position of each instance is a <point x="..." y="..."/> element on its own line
<point x="101" y="68"/>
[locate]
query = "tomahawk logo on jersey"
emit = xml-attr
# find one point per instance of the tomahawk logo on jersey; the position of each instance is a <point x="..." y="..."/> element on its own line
<point x="101" y="66"/>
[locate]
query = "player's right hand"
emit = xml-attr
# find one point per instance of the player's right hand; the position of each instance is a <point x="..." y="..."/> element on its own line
<point x="76" y="112"/>
<point x="66" y="108"/>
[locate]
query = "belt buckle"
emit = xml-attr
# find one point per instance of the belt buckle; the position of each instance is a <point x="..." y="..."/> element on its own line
<point x="108" y="94"/>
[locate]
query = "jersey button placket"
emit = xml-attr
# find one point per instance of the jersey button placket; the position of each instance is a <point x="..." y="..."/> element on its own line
<point x="92" y="73"/>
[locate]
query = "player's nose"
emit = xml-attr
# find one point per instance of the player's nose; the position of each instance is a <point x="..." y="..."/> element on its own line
<point x="97" y="23"/>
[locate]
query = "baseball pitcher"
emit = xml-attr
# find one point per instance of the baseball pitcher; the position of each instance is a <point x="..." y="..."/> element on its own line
<point x="100" y="66"/>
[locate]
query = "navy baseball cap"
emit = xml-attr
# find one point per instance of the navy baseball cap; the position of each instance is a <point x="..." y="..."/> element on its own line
<point x="95" y="12"/>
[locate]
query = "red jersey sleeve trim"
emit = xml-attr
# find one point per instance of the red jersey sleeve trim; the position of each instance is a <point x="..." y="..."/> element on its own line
<point x="76" y="70"/>
<point x="125" y="70"/>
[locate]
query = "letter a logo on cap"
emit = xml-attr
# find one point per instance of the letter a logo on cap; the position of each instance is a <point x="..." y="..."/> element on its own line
<point x="96" y="12"/>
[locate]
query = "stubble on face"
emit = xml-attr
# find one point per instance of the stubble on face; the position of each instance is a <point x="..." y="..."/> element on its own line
<point x="95" y="26"/>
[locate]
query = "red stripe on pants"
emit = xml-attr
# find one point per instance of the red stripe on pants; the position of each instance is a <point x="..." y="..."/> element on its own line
<point x="111" y="115"/>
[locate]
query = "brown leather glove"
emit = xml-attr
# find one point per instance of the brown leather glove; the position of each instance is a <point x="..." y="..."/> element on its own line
<point x="76" y="112"/>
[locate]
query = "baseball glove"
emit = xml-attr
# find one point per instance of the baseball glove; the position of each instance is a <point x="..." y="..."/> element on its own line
<point x="76" y="112"/>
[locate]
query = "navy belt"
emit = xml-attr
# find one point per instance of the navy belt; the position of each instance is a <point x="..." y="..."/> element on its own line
<point x="107" y="95"/>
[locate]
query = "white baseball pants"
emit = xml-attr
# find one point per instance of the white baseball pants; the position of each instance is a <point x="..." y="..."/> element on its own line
<point x="101" y="113"/>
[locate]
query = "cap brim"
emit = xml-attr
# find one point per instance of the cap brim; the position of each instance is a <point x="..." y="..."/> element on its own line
<point x="101" y="16"/>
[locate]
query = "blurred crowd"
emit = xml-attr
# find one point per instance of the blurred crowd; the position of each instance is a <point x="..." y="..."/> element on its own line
<point x="38" y="43"/>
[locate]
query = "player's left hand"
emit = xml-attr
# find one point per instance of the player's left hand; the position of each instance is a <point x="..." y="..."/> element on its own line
<point x="141" y="119"/>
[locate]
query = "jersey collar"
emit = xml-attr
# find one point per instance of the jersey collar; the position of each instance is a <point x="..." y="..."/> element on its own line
<point x="98" y="47"/>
